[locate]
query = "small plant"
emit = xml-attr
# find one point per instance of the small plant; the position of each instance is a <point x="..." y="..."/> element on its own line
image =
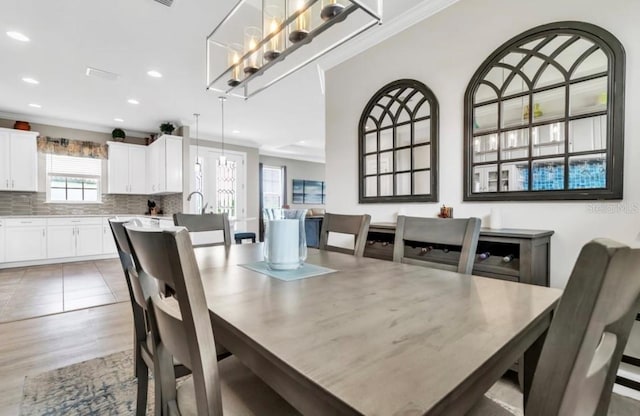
<point x="118" y="135"/>
<point x="167" y="128"/>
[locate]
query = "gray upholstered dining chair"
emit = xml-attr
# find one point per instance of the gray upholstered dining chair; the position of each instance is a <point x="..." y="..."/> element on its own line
<point x="356" y="225"/>
<point x="182" y="328"/>
<point x="460" y="232"/>
<point x="140" y="288"/>
<point x="198" y="223"/>
<point x="588" y="334"/>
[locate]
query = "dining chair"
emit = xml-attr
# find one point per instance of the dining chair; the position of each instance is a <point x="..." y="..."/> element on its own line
<point x="587" y="336"/>
<point x="140" y="288"/>
<point x="459" y="232"/>
<point x="200" y="223"/>
<point x="182" y="328"/>
<point x="356" y="225"/>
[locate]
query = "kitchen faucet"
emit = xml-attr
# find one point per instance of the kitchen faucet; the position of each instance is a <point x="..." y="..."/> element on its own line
<point x="201" y="199"/>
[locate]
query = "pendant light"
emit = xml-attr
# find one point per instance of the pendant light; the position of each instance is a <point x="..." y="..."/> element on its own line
<point x="198" y="165"/>
<point x="223" y="158"/>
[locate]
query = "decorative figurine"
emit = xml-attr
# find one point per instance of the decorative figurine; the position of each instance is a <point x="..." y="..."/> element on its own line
<point x="445" y="212"/>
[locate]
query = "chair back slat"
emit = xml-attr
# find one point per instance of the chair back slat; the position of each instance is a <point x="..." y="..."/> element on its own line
<point x="461" y="232"/>
<point x="171" y="329"/>
<point x="197" y="223"/>
<point x="140" y="287"/>
<point x="356" y="225"/>
<point x="589" y="331"/>
<point x="168" y="256"/>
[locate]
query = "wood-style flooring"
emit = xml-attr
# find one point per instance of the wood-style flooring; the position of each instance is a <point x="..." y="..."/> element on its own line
<point x="33" y="346"/>
<point x="28" y="292"/>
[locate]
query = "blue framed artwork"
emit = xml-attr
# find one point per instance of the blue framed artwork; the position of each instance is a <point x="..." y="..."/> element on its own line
<point x="308" y="192"/>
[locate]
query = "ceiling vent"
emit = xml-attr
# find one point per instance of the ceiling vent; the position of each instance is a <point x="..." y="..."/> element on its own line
<point x="100" y="73"/>
<point x="167" y="3"/>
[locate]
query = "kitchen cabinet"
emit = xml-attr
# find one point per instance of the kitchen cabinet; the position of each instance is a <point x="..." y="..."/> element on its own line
<point x="74" y="237"/>
<point x="27" y="239"/>
<point x="127" y="169"/>
<point x="108" y="243"/>
<point x="19" y="163"/>
<point x="164" y="157"/>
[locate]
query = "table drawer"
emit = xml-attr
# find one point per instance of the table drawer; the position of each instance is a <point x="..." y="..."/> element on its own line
<point x="25" y="222"/>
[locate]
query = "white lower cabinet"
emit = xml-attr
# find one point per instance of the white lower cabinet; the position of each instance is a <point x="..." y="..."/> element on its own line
<point x="27" y="239"/>
<point x="89" y="239"/>
<point x="61" y="241"/>
<point x="73" y="237"/>
<point x="108" y="243"/>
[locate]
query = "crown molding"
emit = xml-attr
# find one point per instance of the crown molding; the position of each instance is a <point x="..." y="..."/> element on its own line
<point x="294" y="156"/>
<point x="69" y="124"/>
<point x="384" y="31"/>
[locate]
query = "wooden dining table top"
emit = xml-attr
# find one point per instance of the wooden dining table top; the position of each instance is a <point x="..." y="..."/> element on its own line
<point x="375" y="337"/>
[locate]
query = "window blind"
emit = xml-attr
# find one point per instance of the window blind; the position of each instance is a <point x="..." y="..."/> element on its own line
<point x="73" y="166"/>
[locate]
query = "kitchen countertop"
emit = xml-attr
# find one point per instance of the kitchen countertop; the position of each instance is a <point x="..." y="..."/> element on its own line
<point x="166" y="217"/>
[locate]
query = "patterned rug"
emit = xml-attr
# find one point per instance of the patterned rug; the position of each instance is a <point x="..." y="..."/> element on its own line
<point x="102" y="386"/>
<point x="106" y="386"/>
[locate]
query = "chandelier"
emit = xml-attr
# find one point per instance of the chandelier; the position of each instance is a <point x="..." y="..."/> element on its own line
<point x="261" y="42"/>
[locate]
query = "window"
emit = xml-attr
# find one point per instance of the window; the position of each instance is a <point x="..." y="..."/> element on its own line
<point x="272" y="187"/>
<point x="226" y="187"/>
<point x="544" y="117"/>
<point x="73" y="179"/>
<point x="398" y="145"/>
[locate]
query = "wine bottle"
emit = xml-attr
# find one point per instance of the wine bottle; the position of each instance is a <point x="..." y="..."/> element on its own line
<point x="508" y="258"/>
<point x="485" y="255"/>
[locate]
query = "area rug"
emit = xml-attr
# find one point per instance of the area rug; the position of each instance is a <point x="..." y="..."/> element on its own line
<point x="106" y="386"/>
<point x="101" y="386"/>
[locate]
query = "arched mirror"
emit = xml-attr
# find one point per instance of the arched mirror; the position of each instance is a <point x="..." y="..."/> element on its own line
<point x="544" y="117"/>
<point x="398" y="144"/>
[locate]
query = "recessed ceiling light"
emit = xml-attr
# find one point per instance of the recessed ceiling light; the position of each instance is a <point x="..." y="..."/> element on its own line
<point x="18" y="36"/>
<point x="155" y="74"/>
<point x="30" y="80"/>
<point x="35" y="105"/>
<point x="119" y="120"/>
<point x="302" y="142"/>
<point x="235" y="131"/>
<point x="133" y="101"/>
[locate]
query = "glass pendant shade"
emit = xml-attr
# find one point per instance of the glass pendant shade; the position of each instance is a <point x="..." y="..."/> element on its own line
<point x="252" y="36"/>
<point x="273" y="17"/>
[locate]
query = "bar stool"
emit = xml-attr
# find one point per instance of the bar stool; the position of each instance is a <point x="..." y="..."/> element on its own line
<point x="244" y="236"/>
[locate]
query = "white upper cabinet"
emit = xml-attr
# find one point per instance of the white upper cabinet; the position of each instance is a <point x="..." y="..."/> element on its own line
<point x="165" y="165"/>
<point x="19" y="160"/>
<point x="127" y="169"/>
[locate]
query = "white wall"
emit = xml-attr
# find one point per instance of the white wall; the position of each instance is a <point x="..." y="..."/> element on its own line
<point x="443" y="52"/>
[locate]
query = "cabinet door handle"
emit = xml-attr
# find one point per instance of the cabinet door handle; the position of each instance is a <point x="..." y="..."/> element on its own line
<point x="7" y="183"/>
<point x="13" y="183"/>
<point x="43" y="232"/>
<point x="26" y="222"/>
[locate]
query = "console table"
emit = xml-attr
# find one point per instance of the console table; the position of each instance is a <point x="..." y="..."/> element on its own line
<point x="529" y="251"/>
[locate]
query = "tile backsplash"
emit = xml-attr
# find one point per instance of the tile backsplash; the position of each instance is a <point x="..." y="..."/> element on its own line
<point x="34" y="203"/>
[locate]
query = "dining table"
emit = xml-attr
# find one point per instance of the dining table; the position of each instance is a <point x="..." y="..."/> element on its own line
<point x="374" y="337"/>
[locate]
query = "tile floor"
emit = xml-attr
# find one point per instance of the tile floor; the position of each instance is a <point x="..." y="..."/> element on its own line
<point x="27" y="292"/>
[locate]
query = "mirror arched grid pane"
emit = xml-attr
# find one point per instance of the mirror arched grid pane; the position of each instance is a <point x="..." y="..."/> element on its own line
<point x="398" y="144"/>
<point x="544" y="117"/>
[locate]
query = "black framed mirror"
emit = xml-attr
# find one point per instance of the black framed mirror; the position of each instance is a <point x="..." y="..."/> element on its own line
<point x="398" y="145"/>
<point x="544" y="117"/>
